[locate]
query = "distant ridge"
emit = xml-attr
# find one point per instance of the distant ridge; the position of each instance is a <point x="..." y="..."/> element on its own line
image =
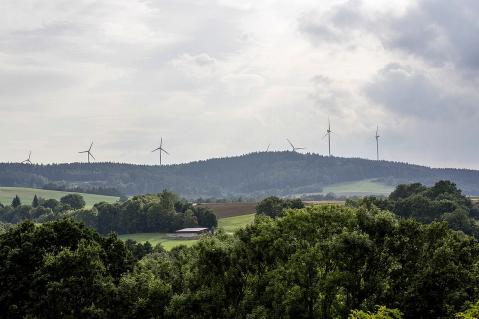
<point x="254" y="174"/>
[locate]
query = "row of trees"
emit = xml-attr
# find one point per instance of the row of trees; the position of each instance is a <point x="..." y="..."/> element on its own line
<point x="441" y="202"/>
<point x="164" y="212"/>
<point x="316" y="262"/>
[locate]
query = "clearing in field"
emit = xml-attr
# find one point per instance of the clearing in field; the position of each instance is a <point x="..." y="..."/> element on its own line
<point x="158" y="238"/>
<point x="26" y="195"/>
<point x="229" y="225"/>
<point x="232" y="224"/>
<point x="365" y="187"/>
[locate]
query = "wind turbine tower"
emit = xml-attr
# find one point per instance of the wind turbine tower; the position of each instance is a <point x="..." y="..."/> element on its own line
<point x="88" y="151"/>
<point x="328" y="134"/>
<point x="377" y="142"/>
<point x="161" y="149"/>
<point x="27" y="161"/>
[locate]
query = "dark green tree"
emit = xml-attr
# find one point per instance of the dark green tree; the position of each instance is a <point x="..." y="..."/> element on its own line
<point x="59" y="269"/>
<point x="16" y="201"/>
<point x="75" y="201"/>
<point x="35" y="202"/>
<point x="273" y="206"/>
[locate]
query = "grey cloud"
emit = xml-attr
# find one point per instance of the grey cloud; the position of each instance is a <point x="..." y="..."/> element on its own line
<point x="439" y="32"/>
<point x="340" y="24"/>
<point x="408" y="92"/>
<point x="442" y="32"/>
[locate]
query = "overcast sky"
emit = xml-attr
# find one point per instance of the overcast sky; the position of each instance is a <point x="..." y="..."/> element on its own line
<point x="228" y="77"/>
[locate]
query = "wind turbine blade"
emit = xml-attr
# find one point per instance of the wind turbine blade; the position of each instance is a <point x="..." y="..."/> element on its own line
<point x="325" y="135"/>
<point x="92" y="156"/>
<point x="91" y="145"/>
<point x="156" y="149"/>
<point x="165" y="152"/>
<point x="83" y="152"/>
<point x="290" y="143"/>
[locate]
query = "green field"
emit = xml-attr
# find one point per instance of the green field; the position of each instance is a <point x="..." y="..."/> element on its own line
<point x="158" y="238"/>
<point x="364" y="187"/>
<point x="229" y="225"/>
<point x="26" y="195"/>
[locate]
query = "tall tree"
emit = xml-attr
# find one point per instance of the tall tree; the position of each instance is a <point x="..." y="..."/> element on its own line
<point x="35" y="201"/>
<point x="16" y="201"/>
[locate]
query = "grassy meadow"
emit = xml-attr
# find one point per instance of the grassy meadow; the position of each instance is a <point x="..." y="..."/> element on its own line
<point x="359" y="188"/>
<point x="228" y="224"/>
<point x="26" y="195"/>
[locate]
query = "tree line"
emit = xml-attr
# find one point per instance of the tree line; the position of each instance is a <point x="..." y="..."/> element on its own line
<point x="255" y="175"/>
<point x="163" y="212"/>
<point x="314" y="262"/>
<point x="443" y="201"/>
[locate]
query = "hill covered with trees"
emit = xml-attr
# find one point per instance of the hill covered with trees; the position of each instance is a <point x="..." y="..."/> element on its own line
<point x="255" y="174"/>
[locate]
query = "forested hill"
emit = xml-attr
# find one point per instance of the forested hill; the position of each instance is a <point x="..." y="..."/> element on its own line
<point x="256" y="174"/>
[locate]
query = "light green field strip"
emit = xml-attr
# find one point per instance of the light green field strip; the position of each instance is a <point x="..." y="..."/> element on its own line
<point x="359" y="187"/>
<point x="26" y="195"/>
<point x="231" y="224"/>
<point x="158" y="238"/>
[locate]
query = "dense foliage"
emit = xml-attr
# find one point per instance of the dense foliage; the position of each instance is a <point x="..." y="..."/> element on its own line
<point x="163" y="212"/>
<point x="315" y="262"/>
<point x="253" y="175"/>
<point x="59" y="270"/>
<point x="274" y="206"/>
<point x="441" y="202"/>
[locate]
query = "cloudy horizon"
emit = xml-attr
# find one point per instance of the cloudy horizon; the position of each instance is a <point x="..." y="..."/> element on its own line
<point x="224" y="78"/>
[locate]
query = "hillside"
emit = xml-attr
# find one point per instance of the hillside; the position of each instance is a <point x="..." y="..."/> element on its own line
<point x="255" y="174"/>
<point x="27" y="194"/>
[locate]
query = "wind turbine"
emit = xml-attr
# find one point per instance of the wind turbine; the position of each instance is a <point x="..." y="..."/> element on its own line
<point x="377" y="142"/>
<point x="89" y="153"/>
<point x="328" y="134"/>
<point x="267" y="149"/>
<point x="27" y="161"/>
<point x="293" y="147"/>
<point x="161" y="149"/>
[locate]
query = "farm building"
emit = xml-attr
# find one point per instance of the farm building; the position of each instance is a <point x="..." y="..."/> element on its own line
<point x="191" y="232"/>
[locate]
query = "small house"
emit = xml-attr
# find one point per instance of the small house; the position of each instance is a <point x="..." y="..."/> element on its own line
<point x="191" y="232"/>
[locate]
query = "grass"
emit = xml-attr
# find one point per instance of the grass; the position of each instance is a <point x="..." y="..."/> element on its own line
<point x="359" y="188"/>
<point x="158" y="238"/>
<point x="26" y="195"/>
<point x="229" y="225"/>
